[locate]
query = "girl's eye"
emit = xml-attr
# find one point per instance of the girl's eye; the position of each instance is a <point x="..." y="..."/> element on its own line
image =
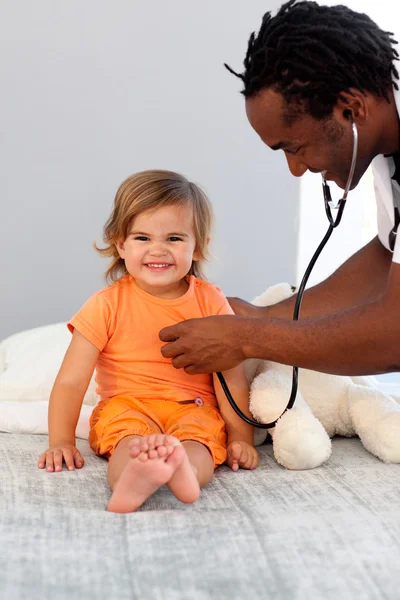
<point x="174" y="239"/>
<point x="141" y="238"/>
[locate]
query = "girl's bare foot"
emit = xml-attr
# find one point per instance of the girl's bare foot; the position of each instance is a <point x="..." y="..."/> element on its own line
<point x="156" y="445"/>
<point x="144" y="474"/>
<point x="183" y="483"/>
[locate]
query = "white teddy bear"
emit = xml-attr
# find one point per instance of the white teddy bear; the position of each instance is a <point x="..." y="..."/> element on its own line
<point x="326" y="405"/>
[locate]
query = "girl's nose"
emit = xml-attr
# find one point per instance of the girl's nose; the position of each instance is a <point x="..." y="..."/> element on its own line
<point x="158" y="249"/>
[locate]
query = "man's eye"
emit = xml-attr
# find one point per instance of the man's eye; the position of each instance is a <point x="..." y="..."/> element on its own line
<point x="173" y="238"/>
<point x="293" y="151"/>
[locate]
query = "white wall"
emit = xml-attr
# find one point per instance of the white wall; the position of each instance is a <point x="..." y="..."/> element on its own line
<point x="93" y="91"/>
<point x="358" y="225"/>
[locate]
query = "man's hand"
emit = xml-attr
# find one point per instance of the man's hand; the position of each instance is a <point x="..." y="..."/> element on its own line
<point x="203" y="345"/>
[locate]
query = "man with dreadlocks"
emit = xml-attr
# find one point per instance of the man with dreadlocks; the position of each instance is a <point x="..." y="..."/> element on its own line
<point x="308" y="70"/>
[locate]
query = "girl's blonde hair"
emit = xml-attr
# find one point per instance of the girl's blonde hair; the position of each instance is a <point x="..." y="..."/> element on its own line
<point x="150" y="190"/>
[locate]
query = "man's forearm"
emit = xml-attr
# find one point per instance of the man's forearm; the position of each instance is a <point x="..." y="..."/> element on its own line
<point x="357" y="341"/>
<point x="363" y="339"/>
<point x="361" y="279"/>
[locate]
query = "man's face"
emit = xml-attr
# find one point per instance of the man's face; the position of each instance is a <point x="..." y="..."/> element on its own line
<point x="309" y="144"/>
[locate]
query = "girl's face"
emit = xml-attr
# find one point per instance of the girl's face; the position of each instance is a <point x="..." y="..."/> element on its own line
<point x="159" y="249"/>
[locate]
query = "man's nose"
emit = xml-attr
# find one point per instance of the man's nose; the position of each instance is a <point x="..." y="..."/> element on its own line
<point x="296" y="167"/>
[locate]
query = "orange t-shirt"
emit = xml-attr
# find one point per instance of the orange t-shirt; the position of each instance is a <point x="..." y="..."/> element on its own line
<point x="123" y="322"/>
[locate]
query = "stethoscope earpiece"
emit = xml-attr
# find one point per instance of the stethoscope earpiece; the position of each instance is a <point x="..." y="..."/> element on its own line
<point x="329" y="204"/>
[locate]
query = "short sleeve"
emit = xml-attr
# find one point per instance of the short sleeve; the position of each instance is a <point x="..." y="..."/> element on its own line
<point x="211" y="299"/>
<point x="93" y="321"/>
<point x="225" y="308"/>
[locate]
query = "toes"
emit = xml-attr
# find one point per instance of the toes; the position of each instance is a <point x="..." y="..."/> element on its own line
<point x="134" y="451"/>
<point x="159" y="440"/>
<point x="156" y="445"/>
<point x="150" y="441"/>
<point x="143" y="446"/>
<point x="138" y="444"/>
<point x="175" y="459"/>
<point x="165" y="440"/>
<point x="161" y="451"/>
<point x="143" y="457"/>
<point x="172" y="441"/>
<point x="160" y="446"/>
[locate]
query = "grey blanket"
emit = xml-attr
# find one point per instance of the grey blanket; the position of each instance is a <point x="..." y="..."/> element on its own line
<point x="330" y="533"/>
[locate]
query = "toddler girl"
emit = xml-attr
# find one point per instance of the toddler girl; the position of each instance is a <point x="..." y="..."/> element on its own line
<point x="155" y="424"/>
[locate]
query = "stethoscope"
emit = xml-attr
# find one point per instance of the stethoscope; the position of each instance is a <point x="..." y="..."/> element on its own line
<point x="329" y="206"/>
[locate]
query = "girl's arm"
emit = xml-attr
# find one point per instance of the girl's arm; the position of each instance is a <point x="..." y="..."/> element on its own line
<point x="65" y="404"/>
<point x="241" y="451"/>
<point x="236" y="428"/>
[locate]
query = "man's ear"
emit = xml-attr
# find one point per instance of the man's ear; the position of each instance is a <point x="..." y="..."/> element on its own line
<point x="355" y="102"/>
<point x="120" y="246"/>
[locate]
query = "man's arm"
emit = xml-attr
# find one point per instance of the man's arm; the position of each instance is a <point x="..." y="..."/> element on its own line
<point x="361" y="340"/>
<point x="361" y="279"/>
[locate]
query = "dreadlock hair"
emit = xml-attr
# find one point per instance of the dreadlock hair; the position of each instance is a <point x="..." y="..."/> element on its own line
<point x="311" y="53"/>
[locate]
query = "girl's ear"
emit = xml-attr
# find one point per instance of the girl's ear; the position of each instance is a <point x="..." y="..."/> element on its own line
<point x="120" y="246"/>
<point x="196" y="254"/>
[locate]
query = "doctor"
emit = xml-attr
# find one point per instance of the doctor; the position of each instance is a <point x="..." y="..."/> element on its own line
<point x="309" y="72"/>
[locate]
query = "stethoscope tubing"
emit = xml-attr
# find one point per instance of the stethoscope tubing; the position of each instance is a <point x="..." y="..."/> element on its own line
<point x="333" y="223"/>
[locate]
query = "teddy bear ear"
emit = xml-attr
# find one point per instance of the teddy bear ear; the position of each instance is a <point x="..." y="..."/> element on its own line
<point x="274" y="294"/>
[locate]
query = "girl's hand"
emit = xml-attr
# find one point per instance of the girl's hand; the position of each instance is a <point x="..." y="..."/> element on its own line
<point x="242" y="455"/>
<point x="54" y="456"/>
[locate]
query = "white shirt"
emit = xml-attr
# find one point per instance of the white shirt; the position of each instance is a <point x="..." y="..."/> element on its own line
<point x="385" y="191"/>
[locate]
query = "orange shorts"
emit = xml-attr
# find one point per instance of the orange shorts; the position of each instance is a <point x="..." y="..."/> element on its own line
<point x="115" y="418"/>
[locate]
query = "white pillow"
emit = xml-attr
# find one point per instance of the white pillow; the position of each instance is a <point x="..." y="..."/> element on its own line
<point x="29" y="363"/>
<point x="31" y="417"/>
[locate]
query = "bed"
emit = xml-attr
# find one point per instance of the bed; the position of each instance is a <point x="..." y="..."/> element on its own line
<point x="328" y="533"/>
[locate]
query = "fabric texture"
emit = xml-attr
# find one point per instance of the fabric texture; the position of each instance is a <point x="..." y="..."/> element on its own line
<point x="387" y="191"/>
<point x="115" y="418"/>
<point x="29" y="363"/>
<point x="123" y="322"/>
<point x="332" y="533"/>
